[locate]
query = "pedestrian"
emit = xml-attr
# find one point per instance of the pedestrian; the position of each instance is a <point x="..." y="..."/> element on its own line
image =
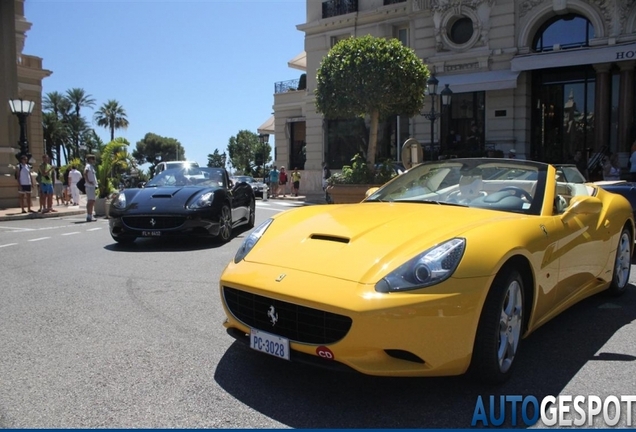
<point x="57" y="185"/>
<point x="46" y="184"/>
<point x="73" y="177"/>
<point x="632" y="162"/>
<point x="282" y="180"/>
<point x="66" y="191"/>
<point x="326" y="173"/>
<point x="295" y="178"/>
<point x="25" y="183"/>
<point x="611" y="168"/>
<point x="273" y="181"/>
<point x="90" y="178"/>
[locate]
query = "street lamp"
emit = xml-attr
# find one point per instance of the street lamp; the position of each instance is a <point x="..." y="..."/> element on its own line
<point x="260" y="154"/>
<point x="22" y="108"/>
<point x="433" y="115"/>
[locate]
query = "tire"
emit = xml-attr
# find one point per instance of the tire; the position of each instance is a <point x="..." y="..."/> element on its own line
<point x="225" y="224"/>
<point x="622" y="264"/>
<point x="124" y="240"/>
<point x="500" y="329"/>
<point x="251" y="219"/>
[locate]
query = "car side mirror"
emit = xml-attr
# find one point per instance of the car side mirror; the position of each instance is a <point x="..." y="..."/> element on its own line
<point x="230" y="184"/>
<point x="581" y="205"/>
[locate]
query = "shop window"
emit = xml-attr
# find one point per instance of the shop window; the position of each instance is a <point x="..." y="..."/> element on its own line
<point x="463" y="125"/>
<point x="298" y="149"/>
<point x="345" y="139"/>
<point x="564" y="32"/>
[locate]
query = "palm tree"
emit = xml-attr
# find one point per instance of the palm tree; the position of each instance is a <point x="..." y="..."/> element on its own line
<point x="54" y="123"/>
<point x="111" y="116"/>
<point x="114" y="157"/>
<point x="78" y="98"/>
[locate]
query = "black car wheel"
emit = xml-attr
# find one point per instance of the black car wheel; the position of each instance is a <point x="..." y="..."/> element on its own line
<point x="622" y="264"/>
<point x="252" y="216"/>
<point x="500" y="329"/>
<point x="225" y="224"/>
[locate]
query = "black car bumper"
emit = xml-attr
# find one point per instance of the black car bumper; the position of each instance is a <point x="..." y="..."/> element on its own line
<point x="133" y="226"/>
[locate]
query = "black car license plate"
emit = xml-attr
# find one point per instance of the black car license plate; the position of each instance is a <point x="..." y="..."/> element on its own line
<point x="151" y="233"/>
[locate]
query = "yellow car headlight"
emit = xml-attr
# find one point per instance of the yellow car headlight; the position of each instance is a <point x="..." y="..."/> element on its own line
<point x="428" y="268"/>
<point x="251" y="240"/>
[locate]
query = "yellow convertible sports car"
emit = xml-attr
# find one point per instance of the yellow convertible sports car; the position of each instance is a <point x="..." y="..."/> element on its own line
<point x="442" y="271"/>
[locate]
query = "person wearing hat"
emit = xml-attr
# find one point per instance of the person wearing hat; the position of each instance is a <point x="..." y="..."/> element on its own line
<point x="512" y="154"/>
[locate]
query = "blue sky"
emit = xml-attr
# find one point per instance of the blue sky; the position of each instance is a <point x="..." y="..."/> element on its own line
<point x="198" y="71"/>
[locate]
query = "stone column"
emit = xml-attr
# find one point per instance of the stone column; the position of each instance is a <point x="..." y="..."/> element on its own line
<point x="602" y="103"/>
<point x="626" y="124"/>
<point x="8" y="80"/>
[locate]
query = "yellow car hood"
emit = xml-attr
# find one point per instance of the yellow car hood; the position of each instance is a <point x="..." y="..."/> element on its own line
<point x="362" y="242"/>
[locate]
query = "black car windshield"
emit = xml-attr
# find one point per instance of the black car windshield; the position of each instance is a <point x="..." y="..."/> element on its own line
<point x="189" y="177"/>
<point x="498" y="184"/>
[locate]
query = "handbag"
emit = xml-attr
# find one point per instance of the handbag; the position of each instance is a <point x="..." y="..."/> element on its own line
<point x="81" y="185"/>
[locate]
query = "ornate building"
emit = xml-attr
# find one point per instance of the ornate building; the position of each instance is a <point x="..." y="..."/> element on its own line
<point x="545" y="77"/>
<point x="20" y="77"/>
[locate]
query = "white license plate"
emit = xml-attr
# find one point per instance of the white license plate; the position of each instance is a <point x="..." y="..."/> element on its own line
<point x="269" y="344"/>
<point x="151" y="233"/>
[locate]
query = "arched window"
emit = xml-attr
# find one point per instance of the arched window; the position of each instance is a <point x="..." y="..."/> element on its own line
<point x="568" y="31"/>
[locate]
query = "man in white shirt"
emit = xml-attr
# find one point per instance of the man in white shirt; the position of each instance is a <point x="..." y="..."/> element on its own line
<point x="91" y="185"/>
<point x="23" y="176"/>
<point x="73" y="177"/>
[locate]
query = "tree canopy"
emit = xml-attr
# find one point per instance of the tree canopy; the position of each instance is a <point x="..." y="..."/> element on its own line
<point x="370" y="76"/>
<point x="111" y="116"/>
<point x="216" y="159"/>
<point x="152" y="147"/>
<point x="243" y="149"/>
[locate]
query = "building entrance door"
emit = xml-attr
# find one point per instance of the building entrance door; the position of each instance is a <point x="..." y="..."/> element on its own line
<point x="563" y="114"/>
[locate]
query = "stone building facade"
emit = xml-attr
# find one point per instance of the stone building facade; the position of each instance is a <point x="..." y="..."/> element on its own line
<point x="544" y="77"/>
<point x="21" y="76"/>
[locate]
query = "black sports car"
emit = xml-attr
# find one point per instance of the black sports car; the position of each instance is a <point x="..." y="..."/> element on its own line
<point x="258" y="187"/>
<point x="183" y="201"/>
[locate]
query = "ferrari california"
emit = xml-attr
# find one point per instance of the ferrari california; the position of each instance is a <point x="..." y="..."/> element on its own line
<point x="442" y="271"/>
<point x="183" y="201"/>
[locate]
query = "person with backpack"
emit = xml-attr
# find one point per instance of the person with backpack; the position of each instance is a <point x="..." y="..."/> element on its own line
<point x="25" y="183"/>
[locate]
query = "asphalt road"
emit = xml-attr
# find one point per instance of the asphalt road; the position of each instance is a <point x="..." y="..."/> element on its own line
<point x="94" y="334"/>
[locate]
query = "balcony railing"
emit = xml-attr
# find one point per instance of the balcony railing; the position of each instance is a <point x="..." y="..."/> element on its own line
<point x="390" y="2"/>
<point x="285" y="86"/>
<point x="332" y="8"/>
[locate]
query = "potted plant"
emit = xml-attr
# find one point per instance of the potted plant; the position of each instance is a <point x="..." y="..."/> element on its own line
<point x="351" y="185"/>
<point x="113" y="157"/>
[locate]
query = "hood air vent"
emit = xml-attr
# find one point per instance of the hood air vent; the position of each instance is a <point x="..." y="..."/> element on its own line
<point x="330" y="238"/>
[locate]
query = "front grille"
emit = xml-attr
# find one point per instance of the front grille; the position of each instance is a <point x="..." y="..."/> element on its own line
<point x="153" y="222"/>
<point x="297" y="323"/>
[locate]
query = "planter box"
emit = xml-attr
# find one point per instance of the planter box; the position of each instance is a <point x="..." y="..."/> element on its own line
<point x="348" y="193"/>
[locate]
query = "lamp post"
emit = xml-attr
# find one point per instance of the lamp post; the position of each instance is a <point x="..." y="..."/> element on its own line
<point x="260" y="154"/>
<point x="433" y="115"/>
<point x="22" y="108"/>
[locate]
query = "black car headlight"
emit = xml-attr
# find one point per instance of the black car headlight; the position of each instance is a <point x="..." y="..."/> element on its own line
<point x="428" y="268"/>
<point x="202" y="200"/>
<point x="251" y="240"/>
<point x="119" y="201"/>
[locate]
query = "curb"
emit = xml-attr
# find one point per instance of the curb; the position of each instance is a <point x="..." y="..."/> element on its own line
<point x="24" y="216"/>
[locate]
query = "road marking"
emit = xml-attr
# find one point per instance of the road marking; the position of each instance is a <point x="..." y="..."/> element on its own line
<point x="71" y="233"/>
<point x="94" y="229"/>
<point x="38" y="239"/>
<point x="14" y="229"/>
<point x="8" y="244"/>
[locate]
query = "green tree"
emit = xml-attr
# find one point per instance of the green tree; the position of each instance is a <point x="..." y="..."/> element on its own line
<point x="242" y="150"/>
<point x="113" y="159"/>
<point x="370" y="76"/>
<point x="216" y="159"/>
<point x="111" y="116"/>
<point x="152" y="147"/>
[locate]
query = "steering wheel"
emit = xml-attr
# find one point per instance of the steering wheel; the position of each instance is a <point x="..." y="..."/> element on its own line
<point x="518" y="192"/>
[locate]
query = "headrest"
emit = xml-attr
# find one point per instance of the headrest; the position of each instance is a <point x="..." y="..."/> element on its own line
<point x="470" y="185"/>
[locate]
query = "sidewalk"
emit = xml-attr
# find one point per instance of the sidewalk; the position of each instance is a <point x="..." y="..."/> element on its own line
<point x="60" y="210"/>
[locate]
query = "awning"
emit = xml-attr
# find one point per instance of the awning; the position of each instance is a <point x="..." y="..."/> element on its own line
<point x="299" y="62"/>
<point x="574" y="57"/>
<point x="479" y="81"/>
<point x="267" y="128"/>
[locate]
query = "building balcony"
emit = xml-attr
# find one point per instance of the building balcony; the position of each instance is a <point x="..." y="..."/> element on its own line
<point x="286" y="86"/>
<point x="334" y="8"/>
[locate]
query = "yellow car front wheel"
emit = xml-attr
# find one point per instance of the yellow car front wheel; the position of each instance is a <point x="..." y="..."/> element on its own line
<point x="500" y="328"/>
